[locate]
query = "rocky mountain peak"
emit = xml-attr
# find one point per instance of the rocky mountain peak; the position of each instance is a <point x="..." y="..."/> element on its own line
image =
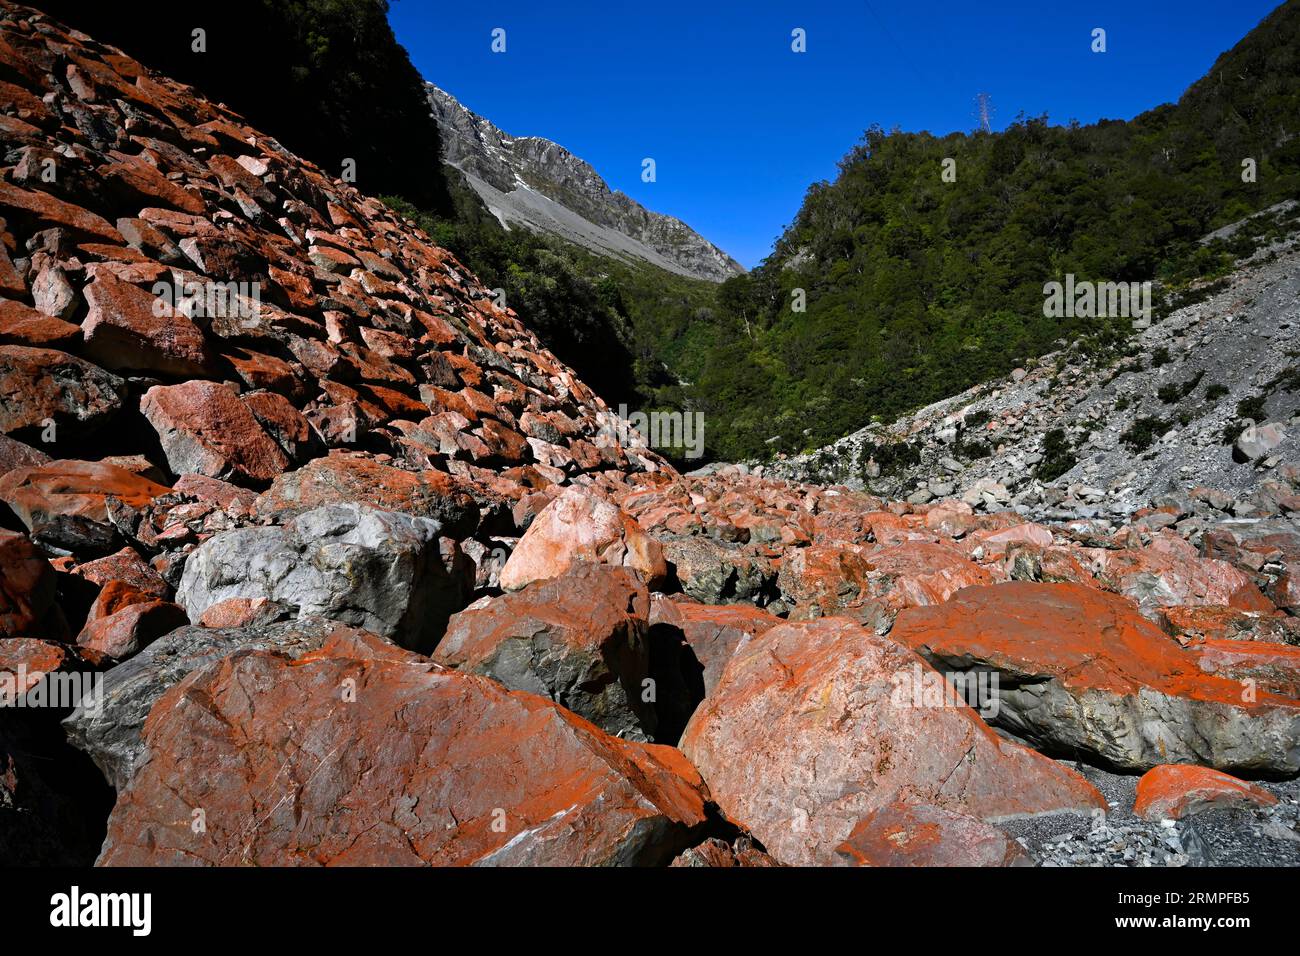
<point x="540" y="185"/>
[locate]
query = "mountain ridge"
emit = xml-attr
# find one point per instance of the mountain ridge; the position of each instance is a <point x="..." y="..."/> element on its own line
<point x="540" y="184"/>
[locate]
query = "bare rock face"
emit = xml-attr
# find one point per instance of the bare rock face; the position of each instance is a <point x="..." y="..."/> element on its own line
<point x="387" y="572"/>
<point x="1174" y="791"/>
<point x="814" y="725"/>
<point x="580" y="526"/>
<point x="1083" y="671"/>
<point x="579" y="639"/>
<point x="357" y="755"/>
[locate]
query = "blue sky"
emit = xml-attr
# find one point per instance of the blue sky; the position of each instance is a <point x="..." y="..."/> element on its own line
<point x="739" y="125"/>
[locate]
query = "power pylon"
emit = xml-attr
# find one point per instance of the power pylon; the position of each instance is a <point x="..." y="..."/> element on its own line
<point x="984" y="110"/>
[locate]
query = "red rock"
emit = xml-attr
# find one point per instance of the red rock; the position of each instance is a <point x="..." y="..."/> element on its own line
<point x="578" y="639"/>
<point x="1260" y="665"/>
<point x="44" y="385"/>
<point x="243" y="612"/>
<point x="1171" y="792"/>
<point x="24" y="662"/>
<point x="145" y="186"/>
<point x="43" y="209"/>
<point x="418" y="765"/>
<point x="65" y="502"/>
<point x="580" y="526"/>
<point x="1155" y="577"/>
<point x="27" y="590"/>
<point x="909" y="834"/>
<point x="1082" y="671"/>
<point x="873" y="585"/>
<point x="205" y="429"/>
<point x="344" y="477"/>
<point x="130" y="628"/>
<point x="1190" y="625"/>
<point x="128" y="328"/>
<point x="125" y="567"/>
<point x="22" y="325"/>
<point x="14" y="454"/>
<point x="1285" y="590"/>
<point x="811" y="728"/>
<point x="284" y="423"/>
<point x="714" y="852"/>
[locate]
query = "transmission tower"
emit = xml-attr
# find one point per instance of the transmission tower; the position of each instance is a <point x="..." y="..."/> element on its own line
<point x="984" y="110"/>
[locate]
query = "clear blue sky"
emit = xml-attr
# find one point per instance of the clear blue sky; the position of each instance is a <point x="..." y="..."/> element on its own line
<point x="739" y="125"/>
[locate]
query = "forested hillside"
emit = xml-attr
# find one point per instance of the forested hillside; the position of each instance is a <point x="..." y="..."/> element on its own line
<point x="917" y="288"/>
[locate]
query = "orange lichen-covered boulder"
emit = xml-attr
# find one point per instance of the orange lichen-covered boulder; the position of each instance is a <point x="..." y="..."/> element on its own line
<point x="581" y="526"/>
<point x="364" y="754"/>
<point x="1083" y="671"/>
<point x="64" y="503"/>
<point x="814" y="725"/>
<point x="1174" y="791"/>
<point x="910" y="834"/>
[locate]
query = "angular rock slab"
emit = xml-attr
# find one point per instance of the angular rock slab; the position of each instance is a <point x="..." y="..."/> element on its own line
<point x="421" y="766"/>
<point x="807" y="732"/>
<point x="386" y="572"/>
<point x="1081" y="671"/>
<point x="579" y="639"/>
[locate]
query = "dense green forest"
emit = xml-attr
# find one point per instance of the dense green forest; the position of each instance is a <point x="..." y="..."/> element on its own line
<point x="914" y="288"/>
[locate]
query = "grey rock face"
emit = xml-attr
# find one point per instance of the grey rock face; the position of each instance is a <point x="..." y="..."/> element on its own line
<point x="533" y="182"/>
<point x="579" y="639"/>
<point x="111" y="731"/>
<point x="387" y="572"/>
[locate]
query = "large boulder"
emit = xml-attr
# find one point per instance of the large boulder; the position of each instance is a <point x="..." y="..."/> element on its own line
<point x="581" y="526"/>
<point x="814" y="725"/>
<point x="110" y="730"/>
<point x="579" y="639"/>
<point x="1165" y="574"/>
<point x="1174" y="791"/>
<point x="359" y="756"/>
<point x="714" y="633"/>
<point x="390" y="573"/>
<point x="1082" y="672"/>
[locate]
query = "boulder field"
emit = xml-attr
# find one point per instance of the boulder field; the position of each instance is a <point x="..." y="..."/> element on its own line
<point x="361" y="574"/>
